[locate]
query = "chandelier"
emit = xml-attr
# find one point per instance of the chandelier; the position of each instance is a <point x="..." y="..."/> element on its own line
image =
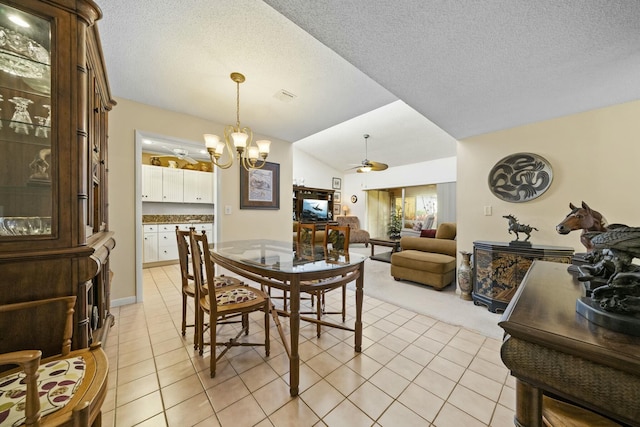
<point x="251" y="155"/>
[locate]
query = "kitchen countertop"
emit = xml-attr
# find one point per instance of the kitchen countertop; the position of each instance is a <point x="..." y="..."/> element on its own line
<point x="176" y="219"/>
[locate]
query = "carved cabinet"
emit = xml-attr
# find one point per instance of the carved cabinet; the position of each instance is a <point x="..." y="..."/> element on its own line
<point x="500" y="267"/>
<point x="54" y="104"/>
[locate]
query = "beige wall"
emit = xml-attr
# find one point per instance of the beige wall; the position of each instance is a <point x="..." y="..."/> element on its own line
<point x="124" y="120"/>
<point x="595" y="158"/>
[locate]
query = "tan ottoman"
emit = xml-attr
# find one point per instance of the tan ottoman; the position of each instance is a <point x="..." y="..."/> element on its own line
<point x="428" y="268"/>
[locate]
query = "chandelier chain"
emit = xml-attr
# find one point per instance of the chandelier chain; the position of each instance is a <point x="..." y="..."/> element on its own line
<point x="237" y="106"/>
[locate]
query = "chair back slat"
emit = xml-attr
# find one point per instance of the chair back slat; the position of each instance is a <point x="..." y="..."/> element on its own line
<point x="306" y="234"/>
<point x="45" y="325"/>
<point x="182" y="238"/>
<point x="203" y="270"/>
<point x="336" y="237"/>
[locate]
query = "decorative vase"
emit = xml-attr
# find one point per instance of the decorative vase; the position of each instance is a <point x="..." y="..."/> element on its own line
<point x="465" y="276"/>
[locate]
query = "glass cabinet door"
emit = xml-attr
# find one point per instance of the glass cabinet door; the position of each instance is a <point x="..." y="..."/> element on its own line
<point x="26" y="164"/>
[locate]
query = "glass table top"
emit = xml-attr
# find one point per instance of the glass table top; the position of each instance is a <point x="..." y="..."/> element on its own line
<point x="273" y="255"/>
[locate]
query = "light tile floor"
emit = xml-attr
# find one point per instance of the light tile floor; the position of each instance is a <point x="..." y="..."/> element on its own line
<point x="413" y="371"/>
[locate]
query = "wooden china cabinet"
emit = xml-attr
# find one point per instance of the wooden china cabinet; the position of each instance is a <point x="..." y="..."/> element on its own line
<point x="54" y="103"/>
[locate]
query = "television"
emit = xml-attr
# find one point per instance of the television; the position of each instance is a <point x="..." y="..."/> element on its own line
<point x="315" y="210"/>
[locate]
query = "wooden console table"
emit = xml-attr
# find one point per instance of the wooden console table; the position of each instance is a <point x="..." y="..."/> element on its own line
<point x="499" y="268"/>
<point x="550" y="348"/>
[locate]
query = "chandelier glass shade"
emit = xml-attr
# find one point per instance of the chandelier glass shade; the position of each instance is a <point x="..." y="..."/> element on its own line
<point x="252" y="155"/>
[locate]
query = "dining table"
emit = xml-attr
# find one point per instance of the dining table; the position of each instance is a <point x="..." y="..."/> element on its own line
<point x="295" y="269"/>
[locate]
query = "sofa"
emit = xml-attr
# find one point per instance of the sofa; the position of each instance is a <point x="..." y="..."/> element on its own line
<point x="356" y="234"/>
<point x="425" y="260"/>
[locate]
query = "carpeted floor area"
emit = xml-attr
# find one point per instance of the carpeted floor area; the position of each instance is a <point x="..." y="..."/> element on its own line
<point x="445" y="305"/>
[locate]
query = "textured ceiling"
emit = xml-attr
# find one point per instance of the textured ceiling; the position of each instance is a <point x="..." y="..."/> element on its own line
<point x="468" y="66"/>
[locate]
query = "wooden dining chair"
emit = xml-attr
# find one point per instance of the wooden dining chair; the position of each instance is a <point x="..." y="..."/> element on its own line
<point x="336" y="243"/>
<point x="220" y="304"/>
<point x="305" y="242"/>
<point x="65" y="388"/>
<point x="186" y="277"/>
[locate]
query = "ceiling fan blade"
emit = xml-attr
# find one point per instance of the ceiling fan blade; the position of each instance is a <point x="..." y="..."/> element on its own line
<point x="190" y="160"/>
<point x="377" y="166"/>
<point x="185" y="158"/>
<point x="372" y="167"/>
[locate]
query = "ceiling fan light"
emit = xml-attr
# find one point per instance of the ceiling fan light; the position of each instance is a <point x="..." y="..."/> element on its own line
<point x="365" y="169"/>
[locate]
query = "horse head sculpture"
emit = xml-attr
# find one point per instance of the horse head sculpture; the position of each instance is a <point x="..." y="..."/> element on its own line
<point x="582" y="218"/>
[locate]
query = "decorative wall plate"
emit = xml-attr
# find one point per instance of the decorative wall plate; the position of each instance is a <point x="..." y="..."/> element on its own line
<point x="520" y="177"/>
<point x="354" y="198"/>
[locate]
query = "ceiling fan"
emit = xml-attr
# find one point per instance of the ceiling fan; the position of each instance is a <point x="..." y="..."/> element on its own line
<point x="369" y="165"/>
<point x="180" y="153"/>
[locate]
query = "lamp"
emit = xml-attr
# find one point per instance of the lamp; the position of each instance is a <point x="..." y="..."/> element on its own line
<point x="248" y="153"/>
<point x="345" y="210"/>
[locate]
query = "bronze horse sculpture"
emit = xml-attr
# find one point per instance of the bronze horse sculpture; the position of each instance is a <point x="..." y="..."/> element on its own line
<point x="585" y="219"/>
<point x="516" y="227"/>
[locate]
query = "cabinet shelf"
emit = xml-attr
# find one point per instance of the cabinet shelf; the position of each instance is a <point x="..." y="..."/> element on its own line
<point x="36" y="190"/>
<point x="15" y="138"/>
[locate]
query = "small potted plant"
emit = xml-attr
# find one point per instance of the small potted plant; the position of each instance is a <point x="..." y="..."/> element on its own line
<point x="395" y="225"/>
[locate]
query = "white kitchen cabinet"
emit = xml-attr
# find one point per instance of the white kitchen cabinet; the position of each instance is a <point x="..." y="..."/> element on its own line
<point x="167" y="245"/>
<point x="206" y="226"/>
<point x="160" y="240"/>
<point x="172" y="185"/>
<point x="150" y="243"/>
<point x="151" y="183"/>
<point x="198" y="187"/>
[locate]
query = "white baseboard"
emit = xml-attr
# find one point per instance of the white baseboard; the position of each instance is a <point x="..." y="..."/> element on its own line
<point x="123" y="301"/>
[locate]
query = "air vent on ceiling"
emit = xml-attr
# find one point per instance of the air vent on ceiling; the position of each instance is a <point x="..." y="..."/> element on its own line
<point x="285" y="96"/>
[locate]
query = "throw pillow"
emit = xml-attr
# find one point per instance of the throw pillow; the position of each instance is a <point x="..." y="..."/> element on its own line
<point x="428" y="233"/>
<point x="446" y="230"/>
<point x="417" y="226"/>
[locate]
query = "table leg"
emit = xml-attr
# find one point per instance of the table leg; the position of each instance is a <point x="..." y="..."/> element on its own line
<point x="294" y="325"/>
<point x="528" y="405"/>
<point x="372" y="245"/>
<point x="359" y="297"/>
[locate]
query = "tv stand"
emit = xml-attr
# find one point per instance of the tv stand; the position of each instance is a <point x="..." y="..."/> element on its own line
<point x="300" y="193"/>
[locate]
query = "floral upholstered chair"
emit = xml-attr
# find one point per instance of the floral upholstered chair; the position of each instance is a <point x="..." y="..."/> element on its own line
<point x="356" y="234"/>
<point x="52" y="385"/>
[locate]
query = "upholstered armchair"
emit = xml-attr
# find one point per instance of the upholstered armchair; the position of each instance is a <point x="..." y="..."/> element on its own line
<point x="356" y="234"/>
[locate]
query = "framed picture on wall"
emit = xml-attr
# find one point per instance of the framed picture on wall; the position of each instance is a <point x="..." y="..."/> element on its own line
<point x="336" y="209"/>
<point x="260" y="188"/>
<point x="337" y="197"/>
<point x="336" y="183"/>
